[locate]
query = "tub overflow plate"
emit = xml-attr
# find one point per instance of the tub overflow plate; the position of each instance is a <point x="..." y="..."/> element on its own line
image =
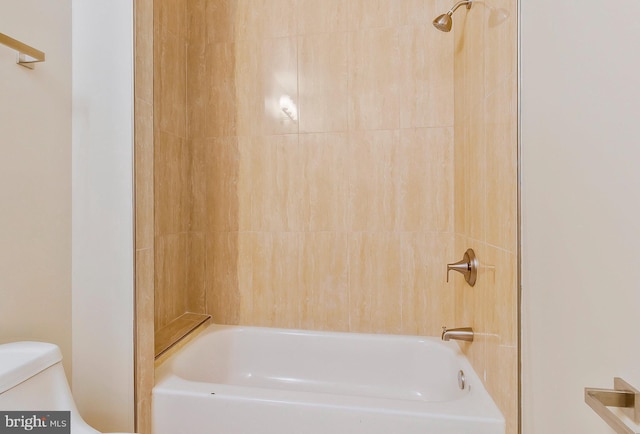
<point x="461" y="380"/>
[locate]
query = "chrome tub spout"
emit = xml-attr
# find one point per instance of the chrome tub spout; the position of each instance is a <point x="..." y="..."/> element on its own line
<point x="459" y="334"/>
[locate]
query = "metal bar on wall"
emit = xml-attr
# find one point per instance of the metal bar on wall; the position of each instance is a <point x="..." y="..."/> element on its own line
<point x="622" y="396"/>
<point x="27" y="55"/>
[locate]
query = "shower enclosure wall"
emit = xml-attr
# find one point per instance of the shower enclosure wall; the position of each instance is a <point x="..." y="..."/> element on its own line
<point x="317" y="164"/>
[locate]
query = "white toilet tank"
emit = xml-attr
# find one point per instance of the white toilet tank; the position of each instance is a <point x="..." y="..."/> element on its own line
<point x="32" y="379"/>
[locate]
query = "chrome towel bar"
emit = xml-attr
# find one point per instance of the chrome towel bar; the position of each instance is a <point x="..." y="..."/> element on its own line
<point x="27" y="55"/>
<point x="623" y="396"/>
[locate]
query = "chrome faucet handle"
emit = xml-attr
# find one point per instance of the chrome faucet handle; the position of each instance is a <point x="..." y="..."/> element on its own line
<point x="468" y="267"/>
<point x="460" y="266"/>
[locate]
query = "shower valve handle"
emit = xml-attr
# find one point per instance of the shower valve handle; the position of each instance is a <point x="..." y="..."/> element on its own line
<point x="468" y="267"/>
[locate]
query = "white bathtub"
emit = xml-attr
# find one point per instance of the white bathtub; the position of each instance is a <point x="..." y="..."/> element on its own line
<point x="247" y="380"/>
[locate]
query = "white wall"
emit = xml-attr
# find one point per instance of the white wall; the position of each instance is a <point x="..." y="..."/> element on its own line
<point x="581" y="207"/>
<point x="103" y="212"/>
<point x="35" y="176"/>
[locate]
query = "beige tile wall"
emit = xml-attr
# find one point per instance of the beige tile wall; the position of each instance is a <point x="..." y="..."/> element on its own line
<point x="179" y="168"/>
<point x="144" y="213"/>
<point x="343" y="218"/>
<point x="486" y="191"/>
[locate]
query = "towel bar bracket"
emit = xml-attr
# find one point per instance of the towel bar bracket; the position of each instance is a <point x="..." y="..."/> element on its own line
<point x="27" y="55"/>
<point x="622" y="396"/>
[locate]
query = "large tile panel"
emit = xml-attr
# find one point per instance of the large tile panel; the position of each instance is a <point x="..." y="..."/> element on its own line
<point x="322" y="76"/>
<point x="374" y="88"/>
<point x="375" y="292"/>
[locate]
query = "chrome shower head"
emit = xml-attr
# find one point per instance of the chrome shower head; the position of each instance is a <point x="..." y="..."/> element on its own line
<point x="444" y="21"/>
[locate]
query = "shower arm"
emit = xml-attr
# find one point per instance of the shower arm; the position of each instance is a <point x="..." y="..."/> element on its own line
<point x="457" y="5"/>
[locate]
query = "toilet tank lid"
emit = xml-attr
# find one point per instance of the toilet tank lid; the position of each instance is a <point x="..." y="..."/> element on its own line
<point x="20" y="361"/>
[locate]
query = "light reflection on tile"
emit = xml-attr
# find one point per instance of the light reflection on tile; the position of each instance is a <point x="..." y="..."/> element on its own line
<point x="501" y="56"/>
